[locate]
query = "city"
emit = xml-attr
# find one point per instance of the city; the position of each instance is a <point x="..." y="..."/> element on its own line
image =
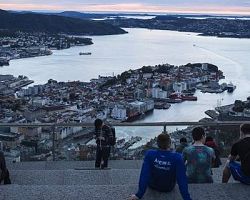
<point x="128" y="83"/>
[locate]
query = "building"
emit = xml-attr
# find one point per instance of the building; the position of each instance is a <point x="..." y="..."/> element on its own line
<point x="158" y="93"/>
<point x="119" y="112"/>
<point x="179" y="86"/>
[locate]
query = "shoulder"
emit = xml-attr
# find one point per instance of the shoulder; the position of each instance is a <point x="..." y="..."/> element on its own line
<point x="105" y="126"/>
<point x="150" y="152"/>
<point x="177" y="156"/>
<point x="188" y="149"/>
<point x="236" y="144"/>
<point x="209" y="148"/>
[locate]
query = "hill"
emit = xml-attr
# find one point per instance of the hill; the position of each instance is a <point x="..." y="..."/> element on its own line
<point x="32" y="22"/>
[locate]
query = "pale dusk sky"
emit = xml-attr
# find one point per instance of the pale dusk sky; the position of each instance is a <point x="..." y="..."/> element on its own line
<point x="168" y="6"/>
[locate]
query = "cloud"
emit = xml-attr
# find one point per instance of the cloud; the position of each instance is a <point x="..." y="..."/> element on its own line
<point x="203" y="6"/>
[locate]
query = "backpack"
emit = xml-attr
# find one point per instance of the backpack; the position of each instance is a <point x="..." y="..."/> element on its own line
<point x="245" y="164"/>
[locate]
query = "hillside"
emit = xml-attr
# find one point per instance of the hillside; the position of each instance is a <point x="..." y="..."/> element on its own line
<point x="31" y="22"/>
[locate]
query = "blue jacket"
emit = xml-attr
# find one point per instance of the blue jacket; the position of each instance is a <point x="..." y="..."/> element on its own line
<point x="160" y="170"/>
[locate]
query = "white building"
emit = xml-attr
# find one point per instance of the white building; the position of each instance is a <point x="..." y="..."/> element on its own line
<point x="204" y="66"/>
<point x="179" y="86"/>
<point x="66" y="131"/>
<point x="39" y="102"/>
<point x="147" y="75"/>
<point x="150" y="105"/>
<point x="158" y="93"/>
<point x="119" y="112"/>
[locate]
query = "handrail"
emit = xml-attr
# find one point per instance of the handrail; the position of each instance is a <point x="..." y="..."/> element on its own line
<point x="216" y="123"/>
<point x="124" y="124"/>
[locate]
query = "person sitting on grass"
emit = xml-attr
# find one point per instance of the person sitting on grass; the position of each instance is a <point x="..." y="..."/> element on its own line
<point x="241" y="149"/>
<point x="160" y="170"/>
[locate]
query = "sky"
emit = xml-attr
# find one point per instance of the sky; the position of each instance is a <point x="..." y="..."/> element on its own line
<point x="168" y="6"/>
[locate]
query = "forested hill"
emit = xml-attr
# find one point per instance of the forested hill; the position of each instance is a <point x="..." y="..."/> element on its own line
<point x="31" y="22"/>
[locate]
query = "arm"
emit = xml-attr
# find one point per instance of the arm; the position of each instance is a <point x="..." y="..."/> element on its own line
<point x="234" y="153"/>
<point x="184" y="155"/>
<point x="182" y="179"/>
<point x="144" y="177"/>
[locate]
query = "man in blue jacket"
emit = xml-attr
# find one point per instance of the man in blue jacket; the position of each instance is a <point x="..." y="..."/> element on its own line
<point x="160" y="170"/>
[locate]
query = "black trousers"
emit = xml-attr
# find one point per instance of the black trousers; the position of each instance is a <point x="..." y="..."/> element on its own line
<point x="102" y="155"/>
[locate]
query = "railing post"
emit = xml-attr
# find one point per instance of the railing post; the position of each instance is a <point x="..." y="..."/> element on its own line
<point x="53" y="142"/>
<point x="165" y="129"/>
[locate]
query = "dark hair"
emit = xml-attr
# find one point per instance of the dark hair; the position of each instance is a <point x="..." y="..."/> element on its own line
<point x="245" y="128"/>
<point x="209" y="139"/>
<point x="183" y="140"/>
<point x="98" y="123"/>
<point x="198" y="133"/>
<point x="163" y="141"/>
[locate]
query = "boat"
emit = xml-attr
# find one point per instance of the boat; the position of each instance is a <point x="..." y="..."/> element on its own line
<point x="162" y="105"/>
<point x="85" y="53"/>
<point x="167" y="106"/>
<point x="168" y="100"/>
<point x="188" y="98"/>
<point x="4" y="61"/>
<point x="230" y="87"/>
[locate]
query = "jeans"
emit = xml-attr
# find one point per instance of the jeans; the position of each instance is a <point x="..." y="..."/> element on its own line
<point x="102" y="155"/>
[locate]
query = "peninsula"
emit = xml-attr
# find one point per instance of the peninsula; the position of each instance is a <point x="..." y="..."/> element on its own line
<point x="206" y="26"/>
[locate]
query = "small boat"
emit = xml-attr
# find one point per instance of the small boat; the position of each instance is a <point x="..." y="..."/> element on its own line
<point x="230" y="87"/>
<point x="84" y="53"/>
<point x="162" y="105"/>
<point x="188" y="98"/>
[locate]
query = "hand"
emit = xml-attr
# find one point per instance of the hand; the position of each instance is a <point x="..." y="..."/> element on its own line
<point x="133" y="197"/>
<point x="101" y="138"/>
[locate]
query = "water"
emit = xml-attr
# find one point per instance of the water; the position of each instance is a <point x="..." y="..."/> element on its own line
<point x="115" y="54"/>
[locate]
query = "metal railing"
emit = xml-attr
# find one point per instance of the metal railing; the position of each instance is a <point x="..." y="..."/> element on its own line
<point x="125" y="124"/>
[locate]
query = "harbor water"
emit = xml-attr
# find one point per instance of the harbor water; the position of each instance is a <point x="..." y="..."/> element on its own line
<point x="117" y="53"/>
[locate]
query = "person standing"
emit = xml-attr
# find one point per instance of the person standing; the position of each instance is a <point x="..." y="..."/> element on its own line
<point x="241" y="149"/>
<point x="103" y="136"/>
<point x="4" y="173"/>
<point x="160" y="170"/>
<point x="198" y="158"/>
<point x="182" y="146"/>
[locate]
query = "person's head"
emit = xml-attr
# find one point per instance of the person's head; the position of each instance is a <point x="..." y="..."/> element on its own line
<point x="209" y="139"/>
<point x="164" y="141"/>
<point x="98" y="123"/>
<point x="198" y="134"/>
<point x="244" y="129"/>
<point x="183" y="140"/>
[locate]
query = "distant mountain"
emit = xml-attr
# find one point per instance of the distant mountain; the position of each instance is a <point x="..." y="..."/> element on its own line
<point x="32" y="22"/>
<point x="80" y="15"/>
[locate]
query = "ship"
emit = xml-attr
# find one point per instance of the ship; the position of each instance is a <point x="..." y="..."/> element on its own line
<point x="162" y="105"/>
<point x="85" y="53"/>
<point x="230" y="87"/>
<point x="4" y="61"/>
<point x="188" y="98"/>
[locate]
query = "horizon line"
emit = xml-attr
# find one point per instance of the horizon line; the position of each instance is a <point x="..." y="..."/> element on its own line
<point x="241" y="14"/>
<point x="132" y="7"/>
